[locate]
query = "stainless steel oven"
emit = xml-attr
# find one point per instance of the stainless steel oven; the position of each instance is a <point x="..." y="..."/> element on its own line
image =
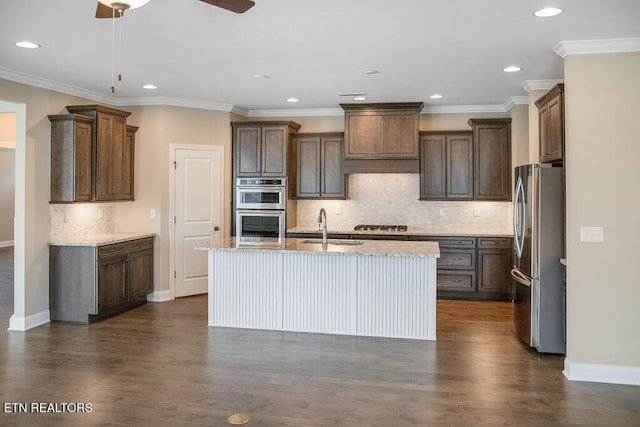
<point x="253" y="225"/>
<point x="261" y="193"/>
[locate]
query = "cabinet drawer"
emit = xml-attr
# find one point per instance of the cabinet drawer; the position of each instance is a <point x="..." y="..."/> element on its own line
<point x="140" y="244"/>
<point x="448" y="242"/>
<point x="456" y="281"/>
<point x="497" y="242"/>
<point x="113" y="250"/>
<point x="457" y="259"/>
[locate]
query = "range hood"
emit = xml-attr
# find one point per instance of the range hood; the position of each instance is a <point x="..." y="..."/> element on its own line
<point x="382" y="137"/>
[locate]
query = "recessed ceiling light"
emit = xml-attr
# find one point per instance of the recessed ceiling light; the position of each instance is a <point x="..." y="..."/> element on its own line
<point x="436" y="96"/>
<point x="260" y="76"/>
<point x="150" y="86"/>
<point x="360" y="98"/>
<point x="371" y="72"/>
<point x="547" y="12"/>
<point x="27" y="44"/>
<point x="511" y="69"/>
<point x="293" y="100"/>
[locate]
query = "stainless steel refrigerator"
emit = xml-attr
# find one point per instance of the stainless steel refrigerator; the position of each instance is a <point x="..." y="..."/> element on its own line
<point x="538" y="222"/>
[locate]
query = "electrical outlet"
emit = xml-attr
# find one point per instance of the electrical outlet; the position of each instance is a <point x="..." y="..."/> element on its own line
<point x="338" y="209"/>
<point x="443" y="211"/>
<point x="100" y="213"/>
<point x="476" y="211"/>
<point x="592" y="234"/>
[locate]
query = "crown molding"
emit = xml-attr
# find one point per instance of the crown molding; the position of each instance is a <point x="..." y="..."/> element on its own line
<point x="515" y="100"/>
<point x="317" y="112"/>
<point x="587" y="47"/>
<point x="36" y="81"/>
<point x="31" y="80"/>
<point x="530" y="85"/>
<point x="175" y="102"/>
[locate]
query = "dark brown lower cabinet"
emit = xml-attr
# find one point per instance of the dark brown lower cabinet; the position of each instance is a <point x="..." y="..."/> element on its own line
<point x="89" y="283"/>
<point x="494" y="266"/>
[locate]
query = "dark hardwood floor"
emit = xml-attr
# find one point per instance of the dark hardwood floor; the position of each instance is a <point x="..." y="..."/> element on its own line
<point x="160" y="364"/>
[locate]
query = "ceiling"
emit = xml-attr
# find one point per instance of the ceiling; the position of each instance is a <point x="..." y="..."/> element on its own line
<point x="199" y="55"/>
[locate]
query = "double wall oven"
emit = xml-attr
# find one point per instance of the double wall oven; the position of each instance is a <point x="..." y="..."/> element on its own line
<point x="261" y="205"/>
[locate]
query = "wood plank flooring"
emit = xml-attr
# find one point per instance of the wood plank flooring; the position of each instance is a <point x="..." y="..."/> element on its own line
<point x="160" y="365"/>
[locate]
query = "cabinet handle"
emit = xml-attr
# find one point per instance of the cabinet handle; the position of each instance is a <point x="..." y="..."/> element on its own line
<point x="490" y="243"/>
<point x="459" y="259"/>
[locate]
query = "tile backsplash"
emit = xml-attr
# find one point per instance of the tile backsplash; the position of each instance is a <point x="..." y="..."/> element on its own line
<point x="73" y="220"/>
<point x="393" y="199"/>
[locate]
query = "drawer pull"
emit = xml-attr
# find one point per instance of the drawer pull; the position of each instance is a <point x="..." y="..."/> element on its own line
<point x="459" y="259"/>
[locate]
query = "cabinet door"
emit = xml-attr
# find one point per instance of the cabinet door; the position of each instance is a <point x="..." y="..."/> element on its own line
<point x="128" y="162"/>
<point x="82" y="176"/>
<point x="543" y="132"/>
<point x="308" y="167"/>
<point x="400" y="135"/>
<point x="460" y="167"/>
<point x="494" y="271"/>
<point x="433" y="167"/>
<point x="110" y="145"/>
<point x="140" y="274"/>
<point x="492" y="160"/>
<point x="112" y="279"/>
<point x="247" y="151"/>
<point x="555" y="129"/>
<point x="274" y="151"/>
<point x="332" y="178"/>
<point x="363" y="133"/>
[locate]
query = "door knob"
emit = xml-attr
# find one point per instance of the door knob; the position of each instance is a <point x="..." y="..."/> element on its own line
<point x="216" y="228"/>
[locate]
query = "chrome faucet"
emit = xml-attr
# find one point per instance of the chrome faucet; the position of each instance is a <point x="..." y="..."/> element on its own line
<point x="322" y="222"/>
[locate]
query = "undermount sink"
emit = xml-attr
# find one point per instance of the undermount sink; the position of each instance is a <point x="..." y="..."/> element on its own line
<point x="336" y="241"/>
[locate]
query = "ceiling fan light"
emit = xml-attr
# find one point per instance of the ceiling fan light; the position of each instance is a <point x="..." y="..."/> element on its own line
<point x="132" y="4"/>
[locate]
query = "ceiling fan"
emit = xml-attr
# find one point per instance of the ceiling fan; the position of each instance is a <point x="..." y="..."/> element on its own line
<point x="115" y="8"/>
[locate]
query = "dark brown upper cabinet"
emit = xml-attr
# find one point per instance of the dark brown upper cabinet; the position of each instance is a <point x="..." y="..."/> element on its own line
<point x="551" y="125"/>
<point x="112" y="152"/>
<point x="320" y="169"/>
<point x="446" y="165"/>
<point x="262" y="148"/>
<point x="491" y="159"/>
<point x="382" y="131"/>
<point x="71" y="147"/>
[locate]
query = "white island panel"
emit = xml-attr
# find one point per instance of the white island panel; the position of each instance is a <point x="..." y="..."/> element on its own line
<point x="320" y="293"/>
<point x="385" y="289"/>
<point x="396" y="297"/>
<point x="247" y="291"/>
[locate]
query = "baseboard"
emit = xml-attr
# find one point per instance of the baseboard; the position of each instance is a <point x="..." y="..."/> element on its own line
<point x="160" y="296"/>
<point x="22" y="323"/>
<point x="612" y="374"/>
<point x="6" y="244"/>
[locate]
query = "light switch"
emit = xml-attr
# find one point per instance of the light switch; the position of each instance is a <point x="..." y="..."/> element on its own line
<point x="100" y="214"/>
<point x="152" y="213"/>
<point x="338" y="210"/>
<point x="592" y="234"/>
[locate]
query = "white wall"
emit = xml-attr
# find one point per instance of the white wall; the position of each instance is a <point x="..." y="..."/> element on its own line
<point x="602" y="154"/>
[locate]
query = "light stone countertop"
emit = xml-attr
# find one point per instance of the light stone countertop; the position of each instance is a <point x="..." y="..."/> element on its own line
<point x="411" y="231"/>
<point x="369" y="247"/>
<point x="99" y="239"/>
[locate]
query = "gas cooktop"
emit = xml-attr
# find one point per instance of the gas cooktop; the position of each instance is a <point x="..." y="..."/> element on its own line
<point x="368" y="227"/>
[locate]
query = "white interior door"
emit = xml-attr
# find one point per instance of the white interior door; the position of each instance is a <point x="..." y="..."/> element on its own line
<point x="198" y="195"/>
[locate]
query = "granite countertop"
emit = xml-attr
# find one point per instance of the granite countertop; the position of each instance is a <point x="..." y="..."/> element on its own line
<point x="411" y="231"/>
<point x="99" y="239"/>
<point x="368" y="247"/>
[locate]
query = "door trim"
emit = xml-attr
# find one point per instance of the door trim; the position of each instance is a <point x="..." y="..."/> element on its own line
<point x="173" y="148"/>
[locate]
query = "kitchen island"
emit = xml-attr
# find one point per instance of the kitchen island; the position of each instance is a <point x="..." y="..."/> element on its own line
<point x="367" y="288"/>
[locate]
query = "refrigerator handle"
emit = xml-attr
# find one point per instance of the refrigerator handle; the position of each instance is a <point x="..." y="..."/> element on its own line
<point x="518" y="235"/>
<point x="519" y="277"/>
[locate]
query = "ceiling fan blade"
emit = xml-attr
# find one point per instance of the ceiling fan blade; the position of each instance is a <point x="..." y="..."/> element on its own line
<point x="104" y="11"/>
<point x="237" y="6"/>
